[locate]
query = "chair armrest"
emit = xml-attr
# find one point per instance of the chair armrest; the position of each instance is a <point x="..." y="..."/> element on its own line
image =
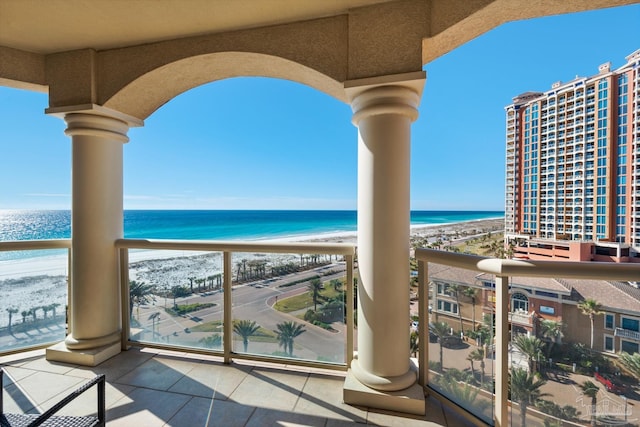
<point x="99" y="381"/>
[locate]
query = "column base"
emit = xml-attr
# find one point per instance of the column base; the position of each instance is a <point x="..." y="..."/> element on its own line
<point x="410" y="400"/>
<point x="89" y="357"/>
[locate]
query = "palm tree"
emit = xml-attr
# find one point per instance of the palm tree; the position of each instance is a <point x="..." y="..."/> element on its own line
<point x="461" y="393"/>
<point x="456" y="290"/>
<point x="287" y="331"/>
<point x="551" y="330"/>
<point x="139" y="293"/>
<point x="591" y="390"/>
<point x="441" y="330"/>
<point x="631" y="362"/>
<point x="471" y="360"/>
<point x="212" y="341"/>
<point x="53" y="307"/>
<point x="455" y="385"/>
<point x="477" y="355"/>
<point x="471" y="293"/>
<point x="591" y="308"/>
<point x="485" y="331"/>
<point x="525" y="389"/>
<point x="11" y="311"/>
<point x="239" y="266"/>
<point x="315" y="286"/>
<point x="245" y="328"/>
<point x="413" y="343"/>
<point x="531" y="347"/>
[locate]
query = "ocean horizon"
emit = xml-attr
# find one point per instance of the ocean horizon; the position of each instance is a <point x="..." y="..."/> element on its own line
<point x="48" y="269"/>
<point x="212" y="224"/>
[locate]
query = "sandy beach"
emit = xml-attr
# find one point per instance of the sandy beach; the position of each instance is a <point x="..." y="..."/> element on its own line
<point x="34" y="282"/>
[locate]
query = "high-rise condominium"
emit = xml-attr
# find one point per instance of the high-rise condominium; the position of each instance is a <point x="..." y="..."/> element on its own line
<point x="573" y="161"/>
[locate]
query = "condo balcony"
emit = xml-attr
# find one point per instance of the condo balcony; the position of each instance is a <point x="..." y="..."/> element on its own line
<point x="626" y="333"/>
<point x="522" y="318"/>
<point x="195" y="333"/>
<point x="185" y="360"/>
<point x="185" y="364"/>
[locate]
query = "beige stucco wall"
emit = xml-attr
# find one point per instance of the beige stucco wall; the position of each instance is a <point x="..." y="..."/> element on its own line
<point x="375" y="40"/>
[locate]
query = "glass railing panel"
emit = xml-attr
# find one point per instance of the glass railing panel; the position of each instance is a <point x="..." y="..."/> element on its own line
<point x="176" y="298"/>
<point x="34" y="290"/>
<point x="461" y="338"/>
<point x="290" y="306"/>
<point x="564" y="369"/>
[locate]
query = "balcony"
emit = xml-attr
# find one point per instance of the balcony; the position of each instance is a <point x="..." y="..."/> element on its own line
<point x="626" y="333"/>
<point x="521" y="318"/>
<point x="128" y="96"/>
<point x="173" y="374"/>
<point x="152" y="387"/>
<point x="165" y="379"/>
<point x="504" y="283"/>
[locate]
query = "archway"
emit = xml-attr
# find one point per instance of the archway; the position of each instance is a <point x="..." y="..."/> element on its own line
<point x="145" y="93"/>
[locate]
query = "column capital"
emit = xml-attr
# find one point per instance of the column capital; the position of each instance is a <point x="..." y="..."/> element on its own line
<point x="396" y="94"/>
<point x="96" y="120"/>
<point x="414" y="80"/>
<point x="97" y="110"/>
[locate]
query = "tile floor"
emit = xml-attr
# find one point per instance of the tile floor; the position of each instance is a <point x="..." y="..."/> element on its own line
<point x="147" y="387"/>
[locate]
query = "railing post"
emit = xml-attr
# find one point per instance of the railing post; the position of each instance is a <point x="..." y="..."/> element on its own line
<point x="67" y="310"/>
<point x="350" y="296"/>
<point x="227" y="317"/>
<point x="501" y="415"/>
<point x="423" y="323"/>
<point x="125" y="297"/>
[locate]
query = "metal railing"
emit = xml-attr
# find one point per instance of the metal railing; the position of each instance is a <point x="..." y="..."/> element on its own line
<point x="504" y="270"/>
<point x="626" y="333"/>
<point x="29" y="317"/>
<point x="227" y="249"/>
<point x="523" y="318"/>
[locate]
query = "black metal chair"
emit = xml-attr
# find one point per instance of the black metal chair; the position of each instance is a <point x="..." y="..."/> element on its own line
<point x="49" y="419"/>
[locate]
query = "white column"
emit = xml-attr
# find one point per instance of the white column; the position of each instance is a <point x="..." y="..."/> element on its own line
<point x="97" y="138"/>
<point x="383" y="115"/>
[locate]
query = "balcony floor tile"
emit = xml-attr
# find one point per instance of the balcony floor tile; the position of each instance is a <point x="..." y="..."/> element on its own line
<point x="147" y="387"/>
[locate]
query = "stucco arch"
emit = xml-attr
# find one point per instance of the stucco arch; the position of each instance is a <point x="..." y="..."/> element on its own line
<point x="150" y="91"/>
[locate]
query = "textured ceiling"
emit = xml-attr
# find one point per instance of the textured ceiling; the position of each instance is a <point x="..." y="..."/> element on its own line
<point x="48" y="26"/>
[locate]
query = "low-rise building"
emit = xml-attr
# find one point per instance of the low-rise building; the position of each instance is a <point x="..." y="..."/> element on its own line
<point x="616" y="328"/>
<point x="567" y="250"/>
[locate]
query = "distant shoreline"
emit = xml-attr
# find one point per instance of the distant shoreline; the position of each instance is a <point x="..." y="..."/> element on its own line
<point x="56" y="265"/>
<point x="41" y="280"/>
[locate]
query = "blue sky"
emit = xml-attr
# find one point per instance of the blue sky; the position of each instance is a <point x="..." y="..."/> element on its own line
<point x="255" y="143"/>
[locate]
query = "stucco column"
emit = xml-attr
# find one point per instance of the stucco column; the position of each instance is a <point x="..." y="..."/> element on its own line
<point x="383" y="114"/>
<point x="97" y="138"/>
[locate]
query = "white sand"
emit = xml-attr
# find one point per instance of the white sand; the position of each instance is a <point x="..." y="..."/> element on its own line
<point x="33" y="282"/>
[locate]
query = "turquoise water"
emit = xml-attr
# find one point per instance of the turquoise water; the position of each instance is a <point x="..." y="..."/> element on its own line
<point x="209" y="225"/>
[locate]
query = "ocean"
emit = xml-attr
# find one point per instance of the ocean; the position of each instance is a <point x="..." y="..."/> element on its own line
<point x="47" y="269"/>
<point x="208" y="224"/>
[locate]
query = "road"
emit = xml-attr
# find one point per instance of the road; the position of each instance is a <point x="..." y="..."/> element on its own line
<point x="250" y="301"/>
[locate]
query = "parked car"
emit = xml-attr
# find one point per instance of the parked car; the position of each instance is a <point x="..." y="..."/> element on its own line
<point x="611" y="383"/>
